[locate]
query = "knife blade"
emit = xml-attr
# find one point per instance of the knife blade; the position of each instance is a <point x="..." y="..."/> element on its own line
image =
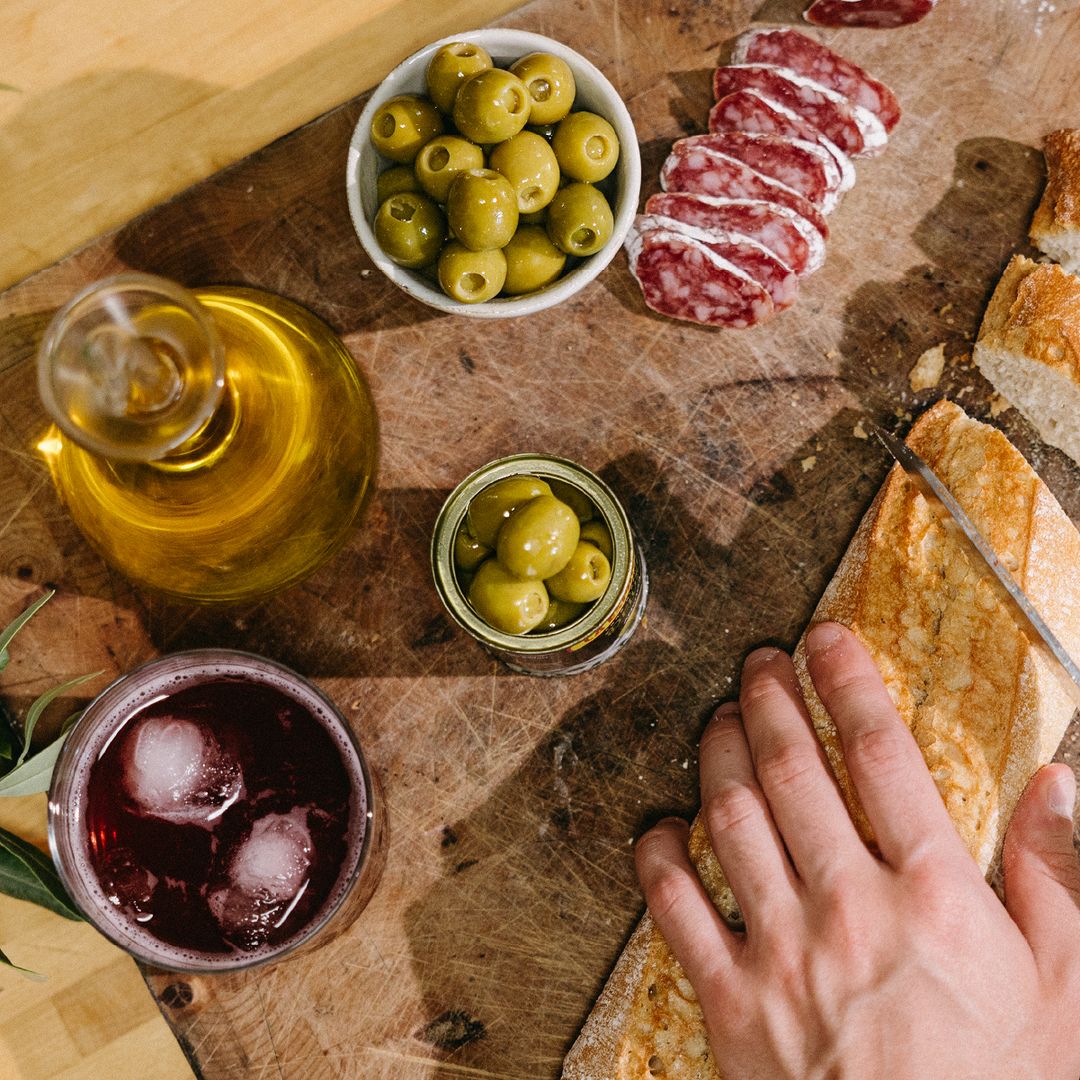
<point x="953" y="515"/>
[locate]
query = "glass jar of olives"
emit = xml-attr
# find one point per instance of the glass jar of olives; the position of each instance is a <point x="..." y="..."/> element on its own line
<point x="534" y="556"/>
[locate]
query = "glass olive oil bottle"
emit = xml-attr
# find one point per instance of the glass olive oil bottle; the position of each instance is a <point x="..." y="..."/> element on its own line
<point x="214" y="445"/>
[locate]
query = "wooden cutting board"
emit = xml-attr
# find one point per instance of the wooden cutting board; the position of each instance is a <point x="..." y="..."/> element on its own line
<point x="513" y="801"/>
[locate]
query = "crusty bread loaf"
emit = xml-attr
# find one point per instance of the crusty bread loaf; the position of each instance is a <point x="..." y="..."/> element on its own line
<point x="984" y="706"/>
<point x="1055" y="228"/>
<point x="1029" y="348"/>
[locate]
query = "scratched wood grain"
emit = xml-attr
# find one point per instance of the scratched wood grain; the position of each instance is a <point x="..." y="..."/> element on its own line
<point x="509" y="888"/>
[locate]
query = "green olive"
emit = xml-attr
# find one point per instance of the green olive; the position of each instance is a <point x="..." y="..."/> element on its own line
<point x="394" y="181"/>
<point x="505" y="602"/>
<point x="491" y="106"/>
<point x="550" y="86"/>
<point x="579" y="220"/>
<point x="469" y="553"/>
<point x="560" y="613"/>
<point x="574" y="497"/>
<point x="450" y="67"/>
<point x="583" y="578"/>
<point x="586" y="147"/>
<point x="530" y="166"/>
<point x="402" y="125"/>
<point x="440" y="161"/>
<point x="471" y="276"/>
<point x="492" y="506"/>
<point x="597" y="535"/>
<point x="532" y="261"/>
<point x="482" y="209"/>
<point x="410" y="229"/>
<point x="538" y="538"/>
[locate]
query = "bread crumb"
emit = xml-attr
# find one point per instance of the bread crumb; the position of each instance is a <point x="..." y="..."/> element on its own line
<point x="926" y="373"/>
<point x="832" y="354"/>
<point x="945" y="309"/>
<point x="859" y="431"/>
<point x="808" y="463"/>
<point x="998" y="405"/>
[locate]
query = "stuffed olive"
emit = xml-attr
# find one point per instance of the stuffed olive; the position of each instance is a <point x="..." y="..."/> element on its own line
<point x="579" y="220"/>
<point x="471" y="276"/>
<point x="402" y="125"/>
<point x="506" y="602"/>
<point x="550" y="85"/>
<point x="584" y="577"/>
<point x="529" y="164"/>
<point x="491" y="106"/>
<point x="441" y="160"/>
<point x="586" y="147"/>
<point x="532" y="261"/>
<point x="538" y="539"/>
<point x="410" y="229"/>
<point x="393" y="181"/>
<point x="449" y="68"/>
<point x="482" y="209"/>
<point x="490" y="509"/>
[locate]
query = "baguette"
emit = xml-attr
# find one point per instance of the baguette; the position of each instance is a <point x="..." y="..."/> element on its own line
<point x="1055" y="228"/>
<point x="1029" y="348"/>
<point x="984" y="706"/>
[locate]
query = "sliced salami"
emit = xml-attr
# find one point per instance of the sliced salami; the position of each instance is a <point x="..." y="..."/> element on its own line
<point x="854" y="129"/>
<point x="878" y="14"/>
<point x="804" y="167"/>
<point x="749" y="110"/>
<point x="780" y="281"/>
<point x="702" y="171"/>
<point x="788" y="48"/>
<point x="789" y="236"/>
<point x="685" y="279"/>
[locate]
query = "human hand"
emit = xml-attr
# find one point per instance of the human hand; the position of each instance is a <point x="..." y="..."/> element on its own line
<point x="904" y="967"/>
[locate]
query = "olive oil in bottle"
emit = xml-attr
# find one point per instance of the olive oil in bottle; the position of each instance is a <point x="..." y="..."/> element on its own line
<point x="214" y="445"/>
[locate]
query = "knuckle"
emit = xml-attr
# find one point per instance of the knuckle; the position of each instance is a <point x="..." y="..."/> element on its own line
<point x="666" y="895"/>
<point x="878" y="750"/>
<point x="759" y="691"/>
<point x="732" y="807"/>
<point x="786" y="766"/>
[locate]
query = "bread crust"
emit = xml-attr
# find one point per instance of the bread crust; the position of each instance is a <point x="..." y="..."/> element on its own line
<point x="1035" y="314"/>
<point x="985" y="707"/>
<point x="1058" y="212"/>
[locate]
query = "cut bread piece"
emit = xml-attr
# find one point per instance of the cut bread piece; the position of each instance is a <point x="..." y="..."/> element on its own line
<point x="984" y="706"/>
<point x="1055" y="228"/>
<point x="1029" y="348"/>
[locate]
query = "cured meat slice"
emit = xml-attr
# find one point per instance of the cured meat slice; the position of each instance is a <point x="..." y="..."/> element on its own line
<point x="780" y="281"/>
<point x="701" y="171"/>
<point x="804" y="167"/>
<point x="854" y="129"/>
<point x="749" y="110"/>
<point x="685" y="279"/>
<point x="879" y="14"/>
<point x="789" y="236"/>
<point x="787" y="47"/>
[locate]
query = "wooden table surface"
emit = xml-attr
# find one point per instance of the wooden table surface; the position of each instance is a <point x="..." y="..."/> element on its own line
<point x="509" y="888"/>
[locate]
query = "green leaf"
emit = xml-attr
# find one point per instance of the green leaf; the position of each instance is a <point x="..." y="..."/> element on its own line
<point x="34" y="774"/>
<point x="35" y="710"/>
<point x="15" y="626"/>
<point x="36" y="976"/>
<point x="28" y="874"/>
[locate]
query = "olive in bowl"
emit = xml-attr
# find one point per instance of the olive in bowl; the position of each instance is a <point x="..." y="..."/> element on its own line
<point x="505" y="48"/>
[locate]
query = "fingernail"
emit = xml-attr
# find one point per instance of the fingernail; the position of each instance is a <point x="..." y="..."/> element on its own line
<point x="822" y="638"/>
<point x="728" y="709"/>
<point x="1061" y="794"/>
<point x="759" y="657"/>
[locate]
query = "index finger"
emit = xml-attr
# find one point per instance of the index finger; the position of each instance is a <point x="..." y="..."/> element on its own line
<point x="897" y="792"/>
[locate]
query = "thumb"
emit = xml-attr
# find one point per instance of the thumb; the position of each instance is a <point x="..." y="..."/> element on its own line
<point x="1042" y="872"/>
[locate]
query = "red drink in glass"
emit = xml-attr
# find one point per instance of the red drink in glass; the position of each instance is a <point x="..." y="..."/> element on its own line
<point x="211" y="811"/>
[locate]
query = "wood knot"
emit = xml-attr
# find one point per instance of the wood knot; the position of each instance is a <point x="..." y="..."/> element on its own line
<point x="177" y="995"/>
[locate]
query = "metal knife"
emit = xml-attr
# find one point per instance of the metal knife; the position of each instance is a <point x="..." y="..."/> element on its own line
<point x="952" y="514"/>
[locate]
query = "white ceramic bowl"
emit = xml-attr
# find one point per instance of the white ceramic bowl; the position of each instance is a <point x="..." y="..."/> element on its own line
<point x="594" y="93"/>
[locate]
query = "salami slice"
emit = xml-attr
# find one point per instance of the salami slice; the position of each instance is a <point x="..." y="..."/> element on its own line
<point x="789" y="236"/>
<point x="854" y="129"/>
<point x="685" y="279"/>
<point x="804" y="167"/>
<point x="878" y="14"/>
<point x="780" y="281"/>
<point x="701" y="171"/>
<point x="787" y="47"/>
<point x="748" y="110"/>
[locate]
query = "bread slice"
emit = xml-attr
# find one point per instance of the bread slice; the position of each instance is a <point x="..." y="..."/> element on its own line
<point x="1029" y="348"/>
<point x="985" y="707"/>
<point x="1055" y="228"/>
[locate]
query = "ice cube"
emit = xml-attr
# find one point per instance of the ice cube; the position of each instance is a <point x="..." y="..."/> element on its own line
<point x="127" y="884"/>
<point x="265" y="874"/>
<point x="174" y="769"/>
